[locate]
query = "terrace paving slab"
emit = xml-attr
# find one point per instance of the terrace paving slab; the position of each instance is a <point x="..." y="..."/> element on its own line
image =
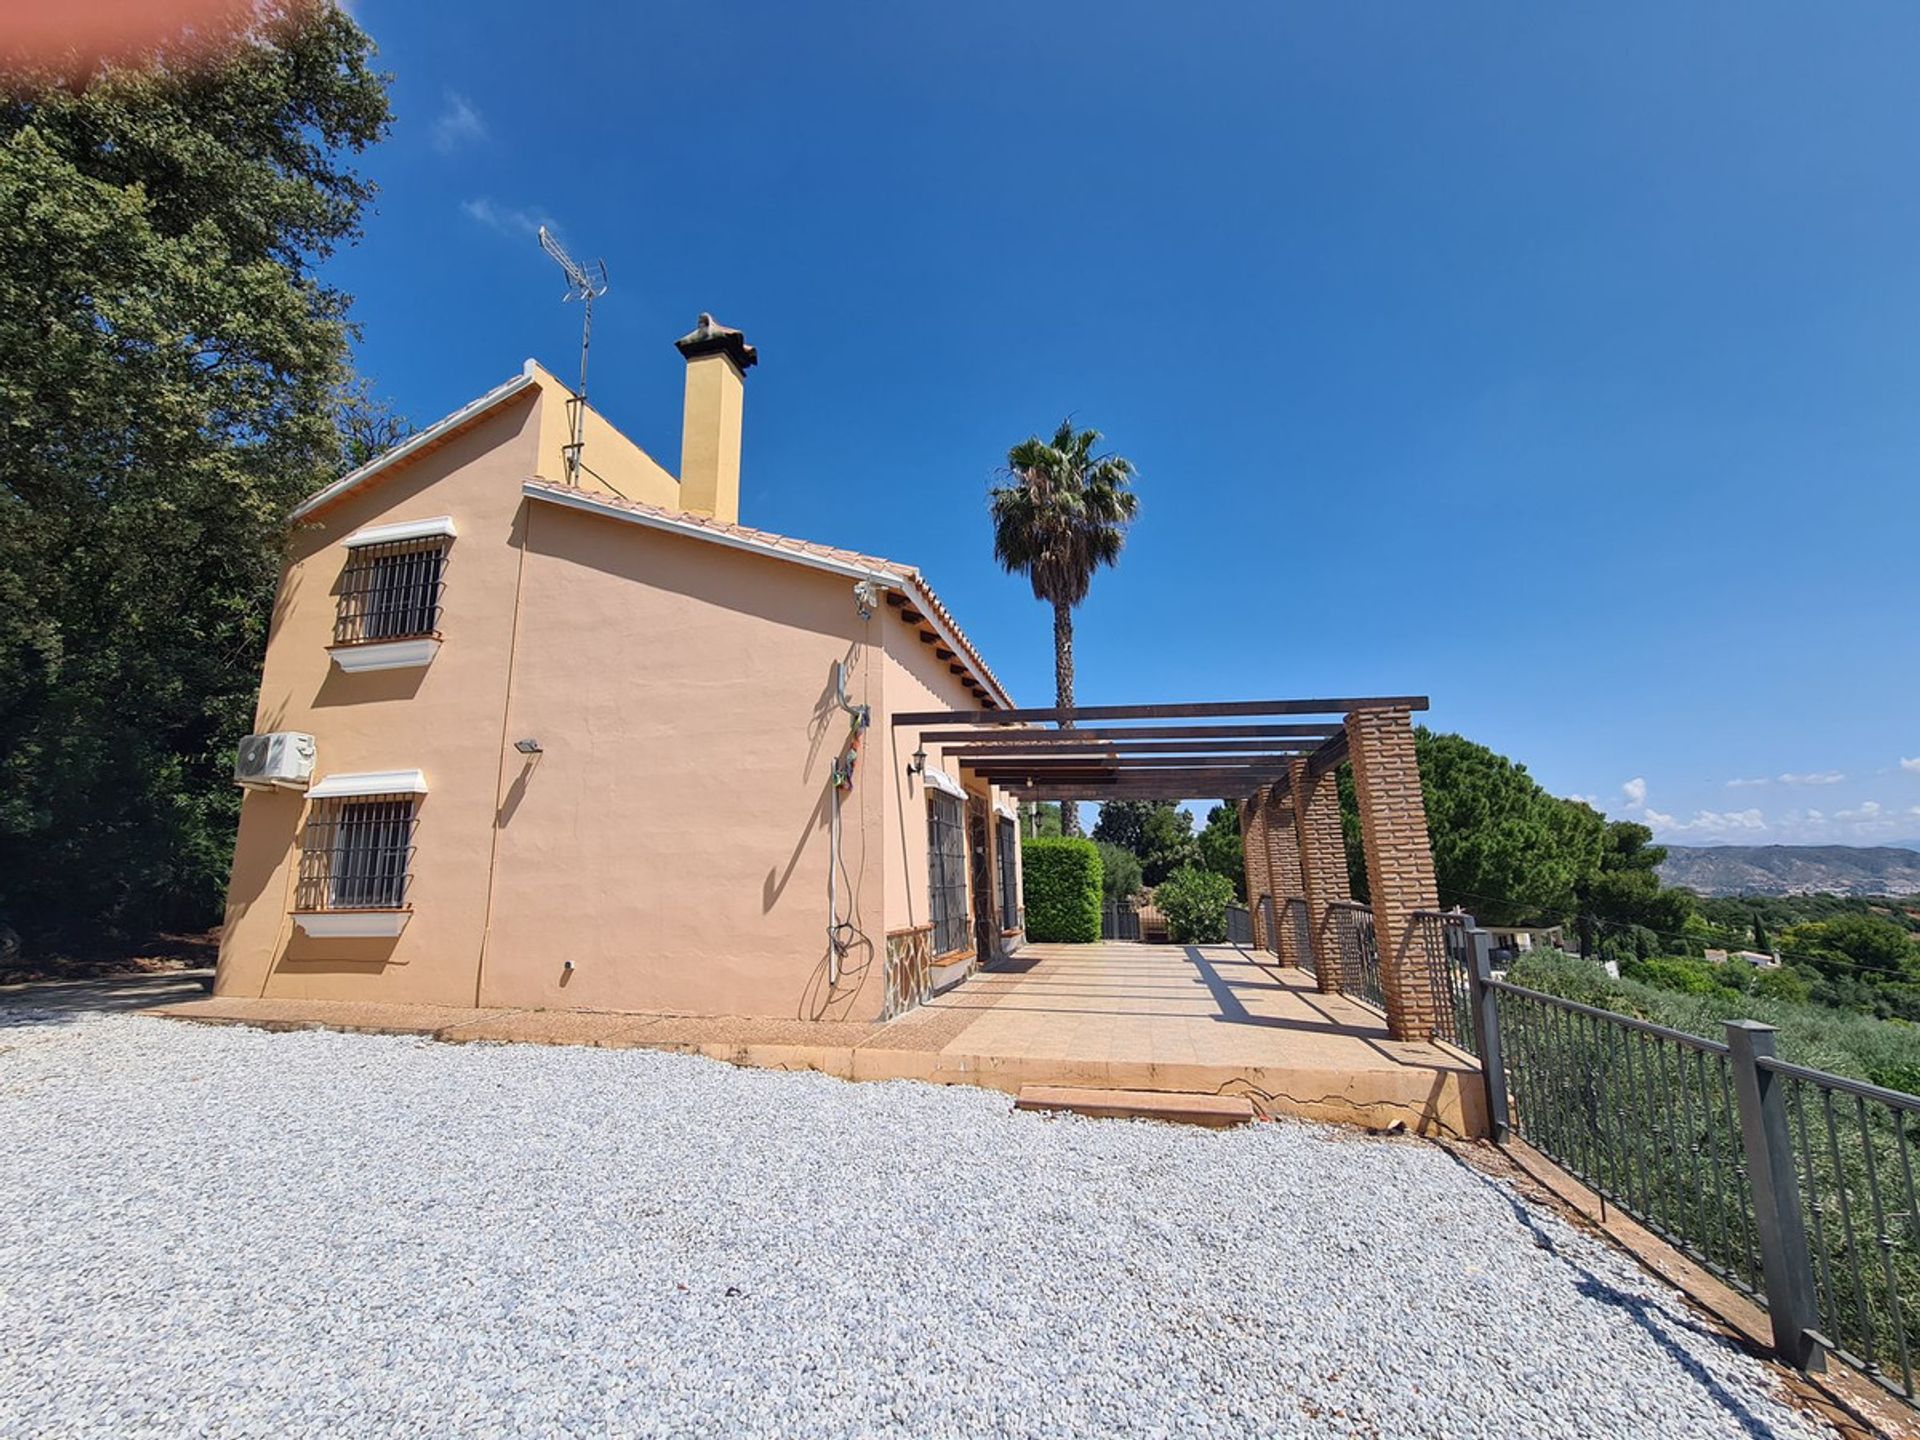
<point x="1116" y="1015"/>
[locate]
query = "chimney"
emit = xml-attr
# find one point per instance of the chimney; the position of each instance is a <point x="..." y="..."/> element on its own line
<point x="717" y="363"/>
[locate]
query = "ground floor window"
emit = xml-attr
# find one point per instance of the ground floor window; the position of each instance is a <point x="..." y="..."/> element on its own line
<point x="1007" y="838"/>
<point x="947" y="873"/>
<point x="357" y="854"/>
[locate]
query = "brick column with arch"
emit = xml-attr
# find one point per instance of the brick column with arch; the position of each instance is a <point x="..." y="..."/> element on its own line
<point x="1393" y="828"/>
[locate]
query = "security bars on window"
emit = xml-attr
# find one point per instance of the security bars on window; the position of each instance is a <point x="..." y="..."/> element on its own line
<point x="357" y="854"/>
<point x="947" y="873"/>
<point x="1008" y="839"/>
<point x="391" y="592"/>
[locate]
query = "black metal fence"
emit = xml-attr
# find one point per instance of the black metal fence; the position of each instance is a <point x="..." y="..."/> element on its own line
<point x="1239" y="926"/>
<point x="1302" y="925"/>
<point x="1352" y="925"/>
<point x="1792" y="1184"/>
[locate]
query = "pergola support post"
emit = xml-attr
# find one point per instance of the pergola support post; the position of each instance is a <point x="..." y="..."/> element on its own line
<point x="1283" y="866"/>
<point x="1323" y="864"/>
<point x="1393" y="828"/>
<point x="1253" y="843"/>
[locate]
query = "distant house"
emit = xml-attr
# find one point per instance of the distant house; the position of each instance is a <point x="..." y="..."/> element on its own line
<point x="545" y="736"/>
<point x="1759" y="959"/>
<point x="1519" y="939"/>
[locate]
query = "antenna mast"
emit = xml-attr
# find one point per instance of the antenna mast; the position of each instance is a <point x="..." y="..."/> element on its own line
<point x="584" y="283"/>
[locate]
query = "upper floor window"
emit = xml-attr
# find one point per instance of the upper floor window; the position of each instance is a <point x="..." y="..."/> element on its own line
<point x="391" y="591"/>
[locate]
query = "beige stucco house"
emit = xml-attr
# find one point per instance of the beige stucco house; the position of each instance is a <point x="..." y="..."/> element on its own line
<point x="525" y="742"/>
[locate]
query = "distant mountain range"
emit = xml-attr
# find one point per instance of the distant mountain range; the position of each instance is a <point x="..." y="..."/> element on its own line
<point x="1795" y="869"/>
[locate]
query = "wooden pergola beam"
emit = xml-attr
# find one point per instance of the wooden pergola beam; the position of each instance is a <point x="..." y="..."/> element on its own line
<point x="1027" y="734"/>
<point x="1194" y="710"/>
<point x="965" y="754"/>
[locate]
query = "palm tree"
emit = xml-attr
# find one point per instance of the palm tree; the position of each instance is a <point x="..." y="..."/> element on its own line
<point x="1062" y="514"/>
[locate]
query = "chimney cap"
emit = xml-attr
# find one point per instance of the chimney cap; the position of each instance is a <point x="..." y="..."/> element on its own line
<point x="710" y="337"/>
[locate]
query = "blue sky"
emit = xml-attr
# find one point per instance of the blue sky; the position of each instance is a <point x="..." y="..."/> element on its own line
<point x="1561" y="365"/>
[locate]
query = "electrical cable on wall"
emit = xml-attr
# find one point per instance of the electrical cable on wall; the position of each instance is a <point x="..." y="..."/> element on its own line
<point x="842" y="935"/>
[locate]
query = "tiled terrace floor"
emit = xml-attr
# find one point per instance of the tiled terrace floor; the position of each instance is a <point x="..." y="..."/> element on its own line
<point x="1116" y="1015"/>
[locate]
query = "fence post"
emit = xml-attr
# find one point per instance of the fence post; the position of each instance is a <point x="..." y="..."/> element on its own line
<point x="1486" y="1030"/>
<point x="1784" y="1259"/>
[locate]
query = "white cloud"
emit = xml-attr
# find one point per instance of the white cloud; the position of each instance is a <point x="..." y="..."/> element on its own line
<point x="458" y="124"/>
<point x="507" y="219"/>
<point x="1744" y="784"/>
<point x="1865" y="810"/>
<point x="1817" y="777"/>
<point x="1709" y="822"/>
<point x="1592" y="800"/>
<point x="1912" y="767"/>
<point x="1636" y="792"/>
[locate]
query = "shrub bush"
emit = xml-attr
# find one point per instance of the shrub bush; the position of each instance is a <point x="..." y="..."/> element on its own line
<point x="1195" y="904"/>
<point x="1121" y="869"/>
<point x="1063" y="878"/>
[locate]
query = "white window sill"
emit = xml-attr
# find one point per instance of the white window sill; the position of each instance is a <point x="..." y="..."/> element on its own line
<point x="352" y="924"/>
<point x="386" y="654"/>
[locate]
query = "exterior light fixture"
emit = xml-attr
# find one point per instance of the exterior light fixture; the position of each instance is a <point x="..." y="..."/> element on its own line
<point x="918" y="765"/>
<point x="528" y="747"/>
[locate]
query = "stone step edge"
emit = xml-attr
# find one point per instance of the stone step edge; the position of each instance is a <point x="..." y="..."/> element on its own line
<point x="1181" y="1107"/>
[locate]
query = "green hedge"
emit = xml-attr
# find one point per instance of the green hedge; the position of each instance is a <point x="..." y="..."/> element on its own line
<point x="1195" y="904"/>
<point x="1063" y="879"/>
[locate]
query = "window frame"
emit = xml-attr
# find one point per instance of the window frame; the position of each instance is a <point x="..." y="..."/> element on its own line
<point x="1006" y="839"/>
<point x="392" y="591"/>
<point x="356" y="853"/>
<point x="949" y="921"/>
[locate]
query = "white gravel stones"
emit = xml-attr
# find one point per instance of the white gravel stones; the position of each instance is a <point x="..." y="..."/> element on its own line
<point x="226" y="1232"/>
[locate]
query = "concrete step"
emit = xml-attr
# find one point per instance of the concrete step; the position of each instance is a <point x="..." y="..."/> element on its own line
<point x="1218" y="1111"/>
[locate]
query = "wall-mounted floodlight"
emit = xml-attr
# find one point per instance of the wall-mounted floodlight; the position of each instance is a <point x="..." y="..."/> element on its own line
<point x="528" y="747"/>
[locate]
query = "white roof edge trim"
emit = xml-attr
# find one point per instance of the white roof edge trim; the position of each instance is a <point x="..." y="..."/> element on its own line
<point x="369" y="782"/>
<point x="537" y="490"/>
<point x="1007" y="810"/>
<point x="439" y="525"/>
<point x="419" y="441"/>
<point x="938" y="779"/>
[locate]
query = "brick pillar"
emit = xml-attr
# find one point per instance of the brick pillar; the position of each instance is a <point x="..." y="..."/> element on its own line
<point x="1283" y="868"/>
<point x="1323" y="864"/>
<point x="1393" y="827"/>
<point x="1253" y="842"/>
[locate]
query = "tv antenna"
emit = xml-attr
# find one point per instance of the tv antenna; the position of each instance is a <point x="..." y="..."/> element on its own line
<point x="584" y="283"/>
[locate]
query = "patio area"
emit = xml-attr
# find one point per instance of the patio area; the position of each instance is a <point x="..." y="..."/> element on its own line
<point x="1115" y="1015"/>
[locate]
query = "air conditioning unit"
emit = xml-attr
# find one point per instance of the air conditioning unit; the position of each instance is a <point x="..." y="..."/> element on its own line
<point x="281" y="759"/>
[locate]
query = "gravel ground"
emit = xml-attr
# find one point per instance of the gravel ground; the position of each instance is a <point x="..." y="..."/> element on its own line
<point x="226" y="1232"/>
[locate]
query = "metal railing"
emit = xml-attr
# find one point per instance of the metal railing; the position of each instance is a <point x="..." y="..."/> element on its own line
<point x="1442" y="939"/>
<point x="1793" y="1184"/>
<point x="1642" y="1115"/>
<point x="1302" y="924"/>
<point x="1352" y="925"/>
<point x="1854" y="1144"/>
<point x="1240" y="926"/>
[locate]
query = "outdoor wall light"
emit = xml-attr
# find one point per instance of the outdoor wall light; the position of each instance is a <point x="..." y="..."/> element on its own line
<point x="918" y="765"/>
<point x="528" y="747"/>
